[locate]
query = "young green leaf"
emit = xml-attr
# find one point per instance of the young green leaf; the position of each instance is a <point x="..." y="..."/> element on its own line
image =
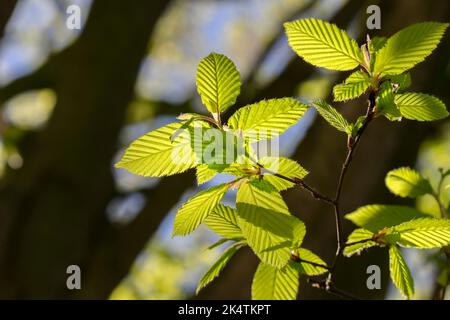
<point x="218" y="82"/>
<point x="283" y="166"/>
<point x="271" y="200"/>
<point x="223" y="221"/>
<point x="376" y="43"/>
<point x="155" y="155"/>
<point x="400" y="274"/>
<point x="323" y="44"/>
<point x="353" y="87"/>
<point x="420" y="107"/>
<point x="298" y="234"/>
<point x="376" y="216"/>
<point x="406" y="182"/>
<point x="270" y="283"/>
<point x="193" y="212"/>
<point x="424" y="233"/>
<point x="267" y="118"/>
<point x="266" y="224"/>
<point x="204" y="173"/>
<point x="401" y="81"/>
<point x="331" y="115"/>
<point x="218" y="266"/>
<point x="408" y="47"/>
<point x="304" y="267"/>
<point x="386" y="103"/>
<point x="358" y="240"/>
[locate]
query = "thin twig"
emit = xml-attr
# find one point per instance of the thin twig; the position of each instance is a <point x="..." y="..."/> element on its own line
<point x="353" y="143"/>
<point x="317" y="195"/>
<point x="331" y="288"/>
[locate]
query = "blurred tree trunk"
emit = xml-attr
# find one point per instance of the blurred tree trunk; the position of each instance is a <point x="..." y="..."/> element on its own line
<point x="386" y="145"/>
<point x="52" y="211"/>
<point x="6" y="10"/>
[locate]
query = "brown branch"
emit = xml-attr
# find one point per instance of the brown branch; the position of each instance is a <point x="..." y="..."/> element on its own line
<point x="353" y="143"/>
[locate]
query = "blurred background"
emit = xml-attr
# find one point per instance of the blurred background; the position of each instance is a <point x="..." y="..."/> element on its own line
<point x="72" y="100"/>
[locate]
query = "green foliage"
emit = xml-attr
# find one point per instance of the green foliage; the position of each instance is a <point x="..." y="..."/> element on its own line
<point x="420" y="107"/>
<point x="376" y="216"/>
<point x="266" y="224"/>
<point x="331" y="115"/>
<point x="353" y="87"/>
<point x="305" y="267"/>
<point x="218" y="82"/>
<point x="400" y="274"/>
<point x="218" y="266"/>
<point x="204" y="173"/>
<point x="357" y="241"/>
<point x="262" y="219"/>
<point x="196" y="209"/>
<point x="408" y="47"/>
<point x="423" y="233"/>
<point x="406" y="182"/>
<point x="267" y="118"/>
<point x="323" y="44"/>
<point x="270" y="283"/>
<point x="223" y="220"/>
<point x="155" y="155"/>
<point x="284" y="166"/>
<point x="386" y="102"/>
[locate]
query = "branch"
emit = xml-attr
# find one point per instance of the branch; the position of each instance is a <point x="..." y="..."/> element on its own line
<point x="43" y="77"/>
<point x="353" y="143"/>
<point x="331" y="288"/>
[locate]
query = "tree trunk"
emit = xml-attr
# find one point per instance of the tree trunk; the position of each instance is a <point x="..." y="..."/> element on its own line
<point x="52" y="211"/>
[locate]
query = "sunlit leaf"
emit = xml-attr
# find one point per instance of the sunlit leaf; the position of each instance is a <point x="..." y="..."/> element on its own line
<point x="218" y="82"/>
<point x="193" y="212"/>
<point x="421" y="107"/>
<point x="267" y="118"/>
<point x="406" y="182"/>
<point x="323" y="44"/>
<point x="400" y="274"/>
<point x="270" y="283"/>
<point x="377" y="216"/>
<point x="408" y="47"/>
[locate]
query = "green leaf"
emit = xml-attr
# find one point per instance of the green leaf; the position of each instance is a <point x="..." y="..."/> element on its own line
<point x="155" y="155"/>
<point x="421" y="107"/>
<point x="331" y="115"/>
<point x="284" y="166"/>
<point x="357" y="241"/>
<point x="196" y="209"/>
<point x="406" y="182"/>
<point x="377" y="216"/>
<point x="204" y="174"/>
<point x="218" y="266"/>
<point x="266" y="224"/>
<point x="323" y="44"/>
<point x="424" y="233"/>
<point x="400" y="274"/>
<point x="307" y="268"/>
<point x="386" y="103"/>
<point x="270" y="283"/>
<point x="223" y="221"/>
<point x="408" y="47"/>
<point x="298" y="233"/>
<point x="217" y="148"/>
<point x="353" y="87"/>
<point x="249" y="193"/>
<point x="376" y="43"/>
<point x="402" y="81"/>
<point x="267" y="118"/>
<point x="218" y="82"/>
